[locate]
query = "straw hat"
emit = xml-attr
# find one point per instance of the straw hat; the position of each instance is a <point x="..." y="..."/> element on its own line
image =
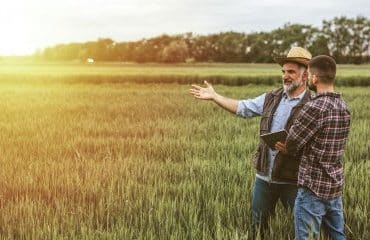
<point x="295" y="54"/>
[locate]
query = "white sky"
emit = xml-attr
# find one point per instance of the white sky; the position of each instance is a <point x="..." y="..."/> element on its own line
<point x="26" y="25"/>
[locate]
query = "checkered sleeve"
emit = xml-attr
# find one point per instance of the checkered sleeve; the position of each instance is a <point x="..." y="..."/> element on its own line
<point x="304" y="127"/>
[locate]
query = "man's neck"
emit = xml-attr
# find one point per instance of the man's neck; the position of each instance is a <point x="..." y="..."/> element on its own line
<point x="296" y="93"/>
<point x="324" y="88"/>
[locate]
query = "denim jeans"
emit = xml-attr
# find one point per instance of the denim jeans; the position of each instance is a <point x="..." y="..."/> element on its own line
<point x="311" y="211"/>
<point x="264" y="199"/>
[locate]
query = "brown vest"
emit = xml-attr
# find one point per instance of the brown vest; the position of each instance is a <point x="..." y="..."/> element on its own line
<point x="285" y="167"/>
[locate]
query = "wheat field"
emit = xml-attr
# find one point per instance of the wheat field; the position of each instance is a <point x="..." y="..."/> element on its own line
<point x="111" y="160"/>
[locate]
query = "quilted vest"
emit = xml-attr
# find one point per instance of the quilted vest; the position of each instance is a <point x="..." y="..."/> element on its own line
<point x="285" y="167"/>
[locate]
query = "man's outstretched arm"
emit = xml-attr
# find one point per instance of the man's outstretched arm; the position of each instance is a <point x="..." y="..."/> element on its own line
<point x="208" y="93"/>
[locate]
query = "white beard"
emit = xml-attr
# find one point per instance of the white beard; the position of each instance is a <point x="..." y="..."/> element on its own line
<point x="293" y="86"/>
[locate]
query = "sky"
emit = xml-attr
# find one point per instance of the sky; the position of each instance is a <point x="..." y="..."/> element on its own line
<point x="30" y="25"/>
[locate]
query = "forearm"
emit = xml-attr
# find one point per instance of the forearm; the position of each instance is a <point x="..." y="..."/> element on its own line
<point x="229" y="104"/>
<point x="291" y="146"/>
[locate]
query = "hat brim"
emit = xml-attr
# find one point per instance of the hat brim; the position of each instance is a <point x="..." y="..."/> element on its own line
<point x="282" y="60"/>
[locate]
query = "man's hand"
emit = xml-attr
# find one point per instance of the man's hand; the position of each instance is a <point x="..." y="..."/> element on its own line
<point x="281" y="147"/>
<point x="207" y="93"/>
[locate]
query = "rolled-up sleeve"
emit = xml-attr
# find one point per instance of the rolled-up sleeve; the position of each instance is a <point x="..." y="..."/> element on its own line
<point x="251" y="107"/>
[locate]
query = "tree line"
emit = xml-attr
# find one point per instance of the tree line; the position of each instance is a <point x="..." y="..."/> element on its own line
<point x="346" y="39"/>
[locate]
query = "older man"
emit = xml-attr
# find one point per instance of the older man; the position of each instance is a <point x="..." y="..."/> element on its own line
<point x="276" y="176"/>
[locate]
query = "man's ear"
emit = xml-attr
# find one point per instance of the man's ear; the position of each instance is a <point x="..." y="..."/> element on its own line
<point x="315" y="79"/>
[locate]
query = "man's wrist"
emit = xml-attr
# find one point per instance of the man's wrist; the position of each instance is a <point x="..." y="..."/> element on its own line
<point x="216" y="97"/>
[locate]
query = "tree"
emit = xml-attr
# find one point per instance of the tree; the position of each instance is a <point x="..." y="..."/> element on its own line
<point x="230" y="47"/>
<point x="175" y="52"/>
<point x="291" y="35"/>
<point x="348" y="38"/>
<point x="259" y="48"/>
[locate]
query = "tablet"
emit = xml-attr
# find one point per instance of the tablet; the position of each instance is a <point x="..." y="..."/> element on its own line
<point x="272" y="138"/>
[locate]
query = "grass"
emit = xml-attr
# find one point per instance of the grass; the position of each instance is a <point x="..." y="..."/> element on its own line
<point x="129" y="69"/>
<point x="226" y="74"/>
<point x="144" y="161"/>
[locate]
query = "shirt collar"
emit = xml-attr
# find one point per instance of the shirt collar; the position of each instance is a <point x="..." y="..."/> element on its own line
<point x="299" y="97"/>
<point x="330" y="94"/>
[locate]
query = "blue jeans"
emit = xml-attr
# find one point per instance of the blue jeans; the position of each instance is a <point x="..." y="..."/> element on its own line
<point x="311" y="211"/>
<point x="264" y="199"/>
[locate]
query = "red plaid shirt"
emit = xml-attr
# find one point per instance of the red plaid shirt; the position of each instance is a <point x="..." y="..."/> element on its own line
<point x="321" y="130"/>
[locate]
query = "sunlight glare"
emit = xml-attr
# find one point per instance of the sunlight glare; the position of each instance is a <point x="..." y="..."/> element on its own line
<point x="15" y="37"/>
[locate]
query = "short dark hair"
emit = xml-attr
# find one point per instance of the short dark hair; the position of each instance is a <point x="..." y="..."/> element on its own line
<point x="324" y="67"/>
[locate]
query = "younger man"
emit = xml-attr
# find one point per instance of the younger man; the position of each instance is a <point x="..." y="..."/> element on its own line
<point x="321" y="131"/>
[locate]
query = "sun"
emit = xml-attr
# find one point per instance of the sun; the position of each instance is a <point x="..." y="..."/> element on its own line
<point x="16" y="29"/>
<point x="15" y="42"/>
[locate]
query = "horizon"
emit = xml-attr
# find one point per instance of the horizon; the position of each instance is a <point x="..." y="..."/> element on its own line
<point x="28" y="27"/>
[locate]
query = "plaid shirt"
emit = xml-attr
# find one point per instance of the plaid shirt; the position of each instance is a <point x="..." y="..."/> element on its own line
<point x="321" y="129"/>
